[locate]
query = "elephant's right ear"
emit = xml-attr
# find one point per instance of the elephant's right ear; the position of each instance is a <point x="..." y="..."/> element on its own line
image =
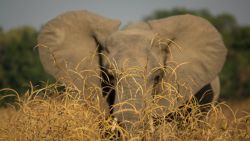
<point x="201" y="53"/>
<point x="68" y="45"/>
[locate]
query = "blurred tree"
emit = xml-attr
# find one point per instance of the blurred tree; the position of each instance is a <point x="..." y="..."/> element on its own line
<point x="235" y="77"/>
<point x="242" y="38"/>
<point x="19" y="60"/>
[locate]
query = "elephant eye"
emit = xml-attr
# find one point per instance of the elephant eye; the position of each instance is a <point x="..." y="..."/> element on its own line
<point x="157" y="79"/>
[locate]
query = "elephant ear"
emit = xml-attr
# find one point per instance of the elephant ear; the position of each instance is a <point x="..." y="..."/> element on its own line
<point x="197" y="51"/>
<point x="68" y="47"/>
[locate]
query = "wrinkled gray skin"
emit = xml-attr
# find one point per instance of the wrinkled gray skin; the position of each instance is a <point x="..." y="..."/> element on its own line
<point x="131" y="48"/>
<point x="74" y="35"/>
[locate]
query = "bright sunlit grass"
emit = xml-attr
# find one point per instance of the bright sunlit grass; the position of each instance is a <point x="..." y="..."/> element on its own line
<point x="49" y="114"/>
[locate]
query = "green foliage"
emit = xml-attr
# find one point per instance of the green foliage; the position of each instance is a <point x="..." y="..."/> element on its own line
<point x="19" y="60"/>
<point x="235" y="79"/>
<point x="242" y="38"/>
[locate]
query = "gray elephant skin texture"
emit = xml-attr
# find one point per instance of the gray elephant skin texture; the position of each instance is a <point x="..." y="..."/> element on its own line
<point x="178" y="57"/>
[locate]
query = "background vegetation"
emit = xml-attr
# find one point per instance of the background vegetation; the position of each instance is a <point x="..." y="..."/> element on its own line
<point x="20" y="63"/>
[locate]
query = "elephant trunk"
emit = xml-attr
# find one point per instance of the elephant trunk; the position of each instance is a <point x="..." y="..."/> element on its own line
<point x="130" y="101"/>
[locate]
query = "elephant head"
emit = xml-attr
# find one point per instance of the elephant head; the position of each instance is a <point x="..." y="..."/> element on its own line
<point x="188" y="46"/>
<point x="185" y="51"/>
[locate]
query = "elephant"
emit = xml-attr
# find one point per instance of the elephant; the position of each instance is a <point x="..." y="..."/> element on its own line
<point x="89" y="51"/>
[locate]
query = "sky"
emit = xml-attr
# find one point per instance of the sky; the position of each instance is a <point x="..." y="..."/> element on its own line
<point x="14" y="13"/>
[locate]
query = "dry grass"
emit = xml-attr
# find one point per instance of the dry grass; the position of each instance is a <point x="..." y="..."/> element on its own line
<point x="47" y="114"/>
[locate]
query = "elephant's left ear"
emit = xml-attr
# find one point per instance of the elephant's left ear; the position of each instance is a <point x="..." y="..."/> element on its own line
<point x="201" y="52"/>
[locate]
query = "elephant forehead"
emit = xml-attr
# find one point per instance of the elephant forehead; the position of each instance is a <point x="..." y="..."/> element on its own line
<point x="131" y="48"/>
<point x="130" y="38"/>
<point x="130" y="57"/>
<point x="134" y="60"/>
